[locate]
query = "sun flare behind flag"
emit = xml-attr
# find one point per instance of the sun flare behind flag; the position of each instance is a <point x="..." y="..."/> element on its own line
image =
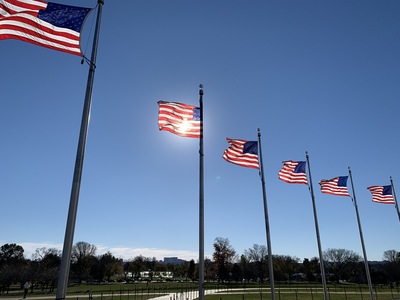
<point x="243" y="153"/>
<point x="180" y="119"/>
<point x="293" y="172"/>
<point x="382" y="194"/>
<point x="46" y="24"/>
<point x="335" y="186"/>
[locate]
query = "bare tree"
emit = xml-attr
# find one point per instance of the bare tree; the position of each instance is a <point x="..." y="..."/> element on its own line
<point x="82" y="257"/>
<point x="258" y="257"/>
<point x="341" y="262"/>
<point x="391" y="256"/>
<point x="392" y="265"/>
<point x="257" y="253"/>
<point x="41" y="253"/>
<point x="285" y="266"/>
<point x="311" y="268"/>
<point x="83" y="249"/>
<point x="48" y="263"/>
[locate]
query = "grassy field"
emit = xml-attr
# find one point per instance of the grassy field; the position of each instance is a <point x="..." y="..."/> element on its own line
<point x="144" y="291"/>
<point x="283" y="293"/>
<point x="307" y="292"/>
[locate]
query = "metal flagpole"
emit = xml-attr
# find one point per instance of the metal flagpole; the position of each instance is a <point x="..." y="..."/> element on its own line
<point x="271" y="268"/>
<point x="321" y="259"/>
<point x="371" y="293"/>
<point x="394" y="197"/>
<point x="201" y="203"/>
<point x="73" y="205"/>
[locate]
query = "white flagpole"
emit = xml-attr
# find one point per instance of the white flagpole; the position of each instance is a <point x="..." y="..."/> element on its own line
<point x="394" y="197"/>
<point x="73" y="205"/>
<point x="321" y="259"/>
<point x="270" y="262"/>
<point x="371" y="293"/>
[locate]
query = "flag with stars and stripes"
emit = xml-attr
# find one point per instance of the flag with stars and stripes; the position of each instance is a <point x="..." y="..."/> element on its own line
<point x="243" y="153"/>
<point x="335" y="186"/>
<point x="46" y="24"/>
<point x="180" y="119"/>
<point x="382" y="194"/>
<point x="293" y="172"/>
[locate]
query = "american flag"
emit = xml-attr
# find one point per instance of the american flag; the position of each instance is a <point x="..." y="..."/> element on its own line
<point x="335" y="186"/>
<point x="293" y="172"/>
<point x="382" y="194"/>
<point x="46" y="24"/>
<point x="243" y="153"/>
<point x="180" y="119"/>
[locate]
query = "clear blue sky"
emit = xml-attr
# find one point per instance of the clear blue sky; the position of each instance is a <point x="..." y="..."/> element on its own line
<point x="314" y="76"/>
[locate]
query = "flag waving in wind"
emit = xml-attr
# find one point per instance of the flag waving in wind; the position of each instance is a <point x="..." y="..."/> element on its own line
<point x="46" y="24"/>
<point x="382" y="194"/>
<point x="335" y="186"/>
<point x="293" y="172"/>
<point x="180" y="119"/>
<point x="243" y="153"/>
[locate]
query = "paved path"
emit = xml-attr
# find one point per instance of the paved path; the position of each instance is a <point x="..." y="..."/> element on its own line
<point x="172" y="296"/>
<point x="179" y="296"/>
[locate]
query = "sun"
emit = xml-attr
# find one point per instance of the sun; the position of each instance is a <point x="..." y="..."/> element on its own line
<point x="184" y="126"/>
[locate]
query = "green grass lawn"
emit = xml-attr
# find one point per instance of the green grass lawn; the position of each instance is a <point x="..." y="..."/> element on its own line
<point x="304" y="292"/>
<point x="144" y="291"/>
<point x="267" y="296"/>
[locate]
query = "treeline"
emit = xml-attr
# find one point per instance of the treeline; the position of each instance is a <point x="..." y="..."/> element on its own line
<point x="340" y="265"/>
<point x="225" y="266"/>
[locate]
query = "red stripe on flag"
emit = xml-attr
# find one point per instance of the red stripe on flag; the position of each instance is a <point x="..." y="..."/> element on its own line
<point x="288" y="175"/>
<point x="179" y="119"/>
<point x="234" y="154"/>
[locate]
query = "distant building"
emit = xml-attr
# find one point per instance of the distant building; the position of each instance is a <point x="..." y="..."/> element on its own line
<point x="173" y="261"/>
<point x="156" y="275"/>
